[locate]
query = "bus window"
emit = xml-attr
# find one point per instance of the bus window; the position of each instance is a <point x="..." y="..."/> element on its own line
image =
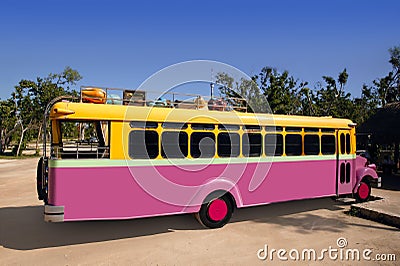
<point x="203" y="126"/>
<point x="293" y="144"/>
<point x="252" y="144"/>
<point x="252" y="128"/>
<point x="202" y="145"/>
<point x="293" y="129"/>
<point x="273" y="129"/>
<point x="342" y="144"/>
<point x="174" y="144"/>
<point x="342" y="173"/>
<point x="143" y="144"/>
<point x="348" y="172"/>
<point x="311" y="129"/>
<point x="273" y="145"/>
<point x="229" y="127"/>
<point x="348" y="146"/>
<point x="81" y="139"/>
<point x="328" y="144"/>
<point x="228" y="145"/>
<point x="327" y="130"/>
<point x="172" y="125"/>
<point x="311" y="144"/>
<point x="143" y="124"/>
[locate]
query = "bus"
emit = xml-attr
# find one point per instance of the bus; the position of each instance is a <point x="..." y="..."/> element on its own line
<point x="124" y="158"/>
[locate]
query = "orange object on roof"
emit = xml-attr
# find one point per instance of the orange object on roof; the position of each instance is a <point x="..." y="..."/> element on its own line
<point x="94" y="95"/>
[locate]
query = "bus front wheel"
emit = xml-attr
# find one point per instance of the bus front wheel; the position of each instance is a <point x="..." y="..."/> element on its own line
<point x="363" y="192"/>
<point x="215" y="212"/>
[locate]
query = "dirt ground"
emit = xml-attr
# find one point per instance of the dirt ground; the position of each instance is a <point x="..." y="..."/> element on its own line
<point x="25" y="239"/>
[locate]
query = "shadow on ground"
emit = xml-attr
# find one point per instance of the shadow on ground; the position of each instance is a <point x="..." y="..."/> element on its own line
<point x="23" y="228"/>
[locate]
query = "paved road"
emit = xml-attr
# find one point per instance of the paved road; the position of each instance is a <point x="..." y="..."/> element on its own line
<point x="177" y="240"/>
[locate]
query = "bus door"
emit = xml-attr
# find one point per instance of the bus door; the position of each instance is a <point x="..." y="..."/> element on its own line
<point x="344" y="163"/>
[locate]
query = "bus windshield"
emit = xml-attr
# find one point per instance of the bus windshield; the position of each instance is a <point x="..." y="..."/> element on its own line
<point x="80" y="139"/>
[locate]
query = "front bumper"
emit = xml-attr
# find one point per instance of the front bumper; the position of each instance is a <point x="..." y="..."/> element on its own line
<point x="377" y="182"/>
<point x="53" y="214"/>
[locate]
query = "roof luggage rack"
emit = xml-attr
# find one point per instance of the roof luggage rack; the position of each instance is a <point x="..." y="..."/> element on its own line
<point x="100" y="95"/>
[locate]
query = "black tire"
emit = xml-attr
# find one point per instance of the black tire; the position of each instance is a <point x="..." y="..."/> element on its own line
<point x="215" y="212"/>
<point x="39" y="179"/>
<point x="363" y="191"/>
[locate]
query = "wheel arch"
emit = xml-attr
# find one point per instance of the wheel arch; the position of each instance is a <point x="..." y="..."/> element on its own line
<point x="365" y="173"/>
<point x="223" y="193"/>
<point x="366" y="178"/>
<point x="221" y="187"/>
<point x="362" y="192"/>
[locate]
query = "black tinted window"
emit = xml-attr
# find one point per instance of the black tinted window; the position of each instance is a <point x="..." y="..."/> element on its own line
<point x="273" y="145"/>
<point x="327" y="130"/>
<point x="293" y="129"/>
<point x="202" y="145"/>
<point x="273" y="129"/>
<point x="311" y="129"/>
<point x="203" y="126"/>
<point x="228" y="145"/>
<point x="252" y="127"/>
<point x="251" y="144"/>
<point x="293" y="144"/>
<point x="173" y="125"/>
<point x="311" y="144"/>
<point x="229" y="127"/>
<point x="348" y="146"/>
<point x="174" y="144"/>
<point x="143" y="144"/>
<point x="143" y="124"/>
<point x="342" y="144"/>
<point x="328" y="144"/>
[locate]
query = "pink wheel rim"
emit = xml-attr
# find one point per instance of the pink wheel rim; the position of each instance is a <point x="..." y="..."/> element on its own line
<point x="217" y="210"/>
<point x="363" y="190"/>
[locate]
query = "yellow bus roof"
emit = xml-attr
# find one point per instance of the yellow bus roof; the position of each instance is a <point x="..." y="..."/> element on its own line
<point x="89" y="111"/>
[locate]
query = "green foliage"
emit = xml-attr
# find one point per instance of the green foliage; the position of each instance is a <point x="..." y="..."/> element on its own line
<point x="331" y="98"/>
<point x="365" y="106"/>
<point x="387" y="88"/>
<point x="286" y="95"/>
<point x="23" y="112"/>
<point x="17" y="149"/>
<point x="7" y="123"/>
<point x="280" y="90"/>
<point x="246" y="89"/>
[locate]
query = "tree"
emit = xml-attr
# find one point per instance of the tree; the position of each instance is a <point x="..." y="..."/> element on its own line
<point x="307" y="100"/>
<point x="45" y="89"/>
<point x="388" y="87"/>
<point x="7" y="123"/>
<point x="244" y="88"/>
<point x="32" y="97"/>
<point x="280" y="90"/>
<point x="331" y="98"/>
<point x="365" y="106"/>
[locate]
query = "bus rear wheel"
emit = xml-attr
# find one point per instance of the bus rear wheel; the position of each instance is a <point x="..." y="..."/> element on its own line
<point x="39" y="174"/>
<point x="215" y="212"/>
<point x="363" y="192"/>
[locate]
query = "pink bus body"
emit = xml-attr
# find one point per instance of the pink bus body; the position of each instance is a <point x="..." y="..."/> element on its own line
<point x="119" y="187"/>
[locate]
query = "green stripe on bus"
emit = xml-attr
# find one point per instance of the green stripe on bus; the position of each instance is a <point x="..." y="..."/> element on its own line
<point x="201" y="161"/>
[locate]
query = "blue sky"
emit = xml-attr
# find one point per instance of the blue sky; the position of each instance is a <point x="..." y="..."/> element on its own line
<point x="121" y="43"/>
